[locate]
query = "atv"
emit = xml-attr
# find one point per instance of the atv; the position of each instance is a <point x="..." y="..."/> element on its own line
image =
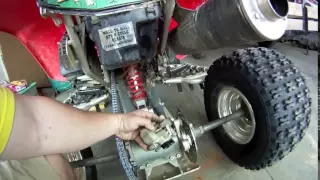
<point x="256" y="100"/>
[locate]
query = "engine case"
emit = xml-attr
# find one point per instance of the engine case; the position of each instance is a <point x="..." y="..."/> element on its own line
<point x="127" y="37"/>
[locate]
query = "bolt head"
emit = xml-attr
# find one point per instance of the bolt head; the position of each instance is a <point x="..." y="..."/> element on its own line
<point x="148" y="165"/>
<point x="178" y="155"/>
<point x="257" y="16"/>
<point x="142" y="167"/>
<point x="171" y="158"/>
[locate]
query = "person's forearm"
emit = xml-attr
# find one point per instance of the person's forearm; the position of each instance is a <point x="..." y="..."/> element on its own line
<point x="44" y="126"/>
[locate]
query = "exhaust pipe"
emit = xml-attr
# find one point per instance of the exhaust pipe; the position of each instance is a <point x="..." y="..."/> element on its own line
<point x="222" y="23"/>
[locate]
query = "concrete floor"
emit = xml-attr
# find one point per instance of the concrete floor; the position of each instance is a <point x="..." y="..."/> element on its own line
<point x="302" y="163"/>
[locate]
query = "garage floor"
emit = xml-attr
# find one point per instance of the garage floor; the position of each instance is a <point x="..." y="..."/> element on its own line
<point x="302" y="163"/>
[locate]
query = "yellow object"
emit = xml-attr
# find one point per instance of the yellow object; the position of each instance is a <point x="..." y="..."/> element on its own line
<point x="6" y="116"/>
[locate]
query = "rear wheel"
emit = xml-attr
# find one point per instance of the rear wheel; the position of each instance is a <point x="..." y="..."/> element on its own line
<point x="274" y="97"/>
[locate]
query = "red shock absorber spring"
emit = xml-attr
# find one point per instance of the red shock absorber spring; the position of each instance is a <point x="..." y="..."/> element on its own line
<point x="135" y="82"/>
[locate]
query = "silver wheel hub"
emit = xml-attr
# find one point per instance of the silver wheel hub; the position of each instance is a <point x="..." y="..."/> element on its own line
<point x="240" y="130"/>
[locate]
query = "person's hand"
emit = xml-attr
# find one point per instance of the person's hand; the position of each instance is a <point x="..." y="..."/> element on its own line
<point x="129" y="125"/>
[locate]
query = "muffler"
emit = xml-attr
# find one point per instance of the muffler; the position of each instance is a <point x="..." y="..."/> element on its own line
<point x="222" y="23"/>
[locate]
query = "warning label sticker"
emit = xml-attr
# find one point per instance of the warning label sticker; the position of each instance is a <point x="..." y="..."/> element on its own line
<point x="118" y="36"/>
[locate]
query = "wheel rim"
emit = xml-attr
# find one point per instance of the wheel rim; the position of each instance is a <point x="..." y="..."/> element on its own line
<point x="240" y="130"/>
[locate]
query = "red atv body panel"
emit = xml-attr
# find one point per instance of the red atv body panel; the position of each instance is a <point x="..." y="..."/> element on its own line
<point x="22" y="19"/>
<point x="190" y="4"/>
<point x="40" y="36"/>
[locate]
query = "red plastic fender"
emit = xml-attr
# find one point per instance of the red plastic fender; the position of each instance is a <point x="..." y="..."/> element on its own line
<point x="190" y="4"/>
<point x="22" y="19"/>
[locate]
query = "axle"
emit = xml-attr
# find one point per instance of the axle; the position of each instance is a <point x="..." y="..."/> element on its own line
<point x="199" y="131"/>
<point x="95" y="160"/>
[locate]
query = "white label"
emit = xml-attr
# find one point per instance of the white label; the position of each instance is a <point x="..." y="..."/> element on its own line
<point x="118" y="36"/>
